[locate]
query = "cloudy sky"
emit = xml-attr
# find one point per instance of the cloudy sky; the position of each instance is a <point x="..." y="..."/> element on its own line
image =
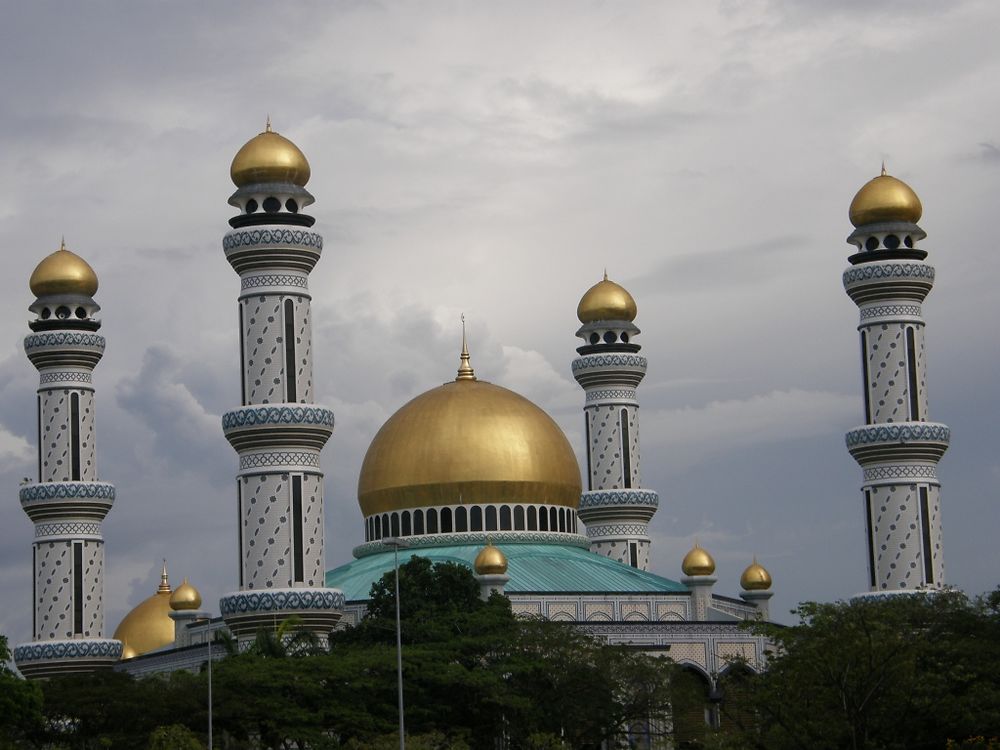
<point x="493" y="159"/>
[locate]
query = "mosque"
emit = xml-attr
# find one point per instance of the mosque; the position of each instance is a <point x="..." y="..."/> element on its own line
<point x="467" y="472"/>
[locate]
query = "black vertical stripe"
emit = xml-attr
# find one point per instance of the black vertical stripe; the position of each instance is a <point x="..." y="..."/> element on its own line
<point x="34" y="591"/>
<point x="865" y="375"/>
<point x="869" y="530"/>
<point x="297" y="528"/>
<point x="239" y="526"/>
<point x="626" y="453"/>
<point x="40" y="479"/>
<point x="911" y="366"/>
<point x="290" y="384"/>
<point x="243" y="355"/>
<point x="74" y="435"/>
<point x="586" y="427"/>
<point x="633" y="555"/>
<point x="77" y="588"/>
<point x="925" y="529"/>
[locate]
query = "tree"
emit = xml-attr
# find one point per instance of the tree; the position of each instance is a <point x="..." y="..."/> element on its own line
<point x="20" y="703"/>
<point x="903" y="671"/>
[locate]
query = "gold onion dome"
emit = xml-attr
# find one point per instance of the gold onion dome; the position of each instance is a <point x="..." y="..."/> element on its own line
<point x="63" y="272"/>
<point x="148" y="626"/>
<point x="490" y="561"/>
<point x="885" y="198"/>
<point x="697" y="562"/>
<point x="185" y="596"/>
<point x="468" y="441"/>
<point x="606" y="300"/>
<point x="269" y="157"/>
<point x="755" y="577"/>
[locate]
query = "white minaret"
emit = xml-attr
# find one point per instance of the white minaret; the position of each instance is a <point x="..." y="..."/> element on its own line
<point x="897" y="447"/>
<point x="67" y="504"/>
<point x="613" y="506"/>
<point x="278" y="432"/>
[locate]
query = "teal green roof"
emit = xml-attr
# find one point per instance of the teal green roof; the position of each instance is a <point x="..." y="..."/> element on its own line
<point x="534" y="568"/>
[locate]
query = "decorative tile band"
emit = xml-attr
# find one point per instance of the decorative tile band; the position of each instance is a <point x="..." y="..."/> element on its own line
<point x="618" y="529"/>
<point x="614" y="394"/>
<point x="251" y="416"/>
<point x="884" y="311"/>
<point x="885" y="270"/>
<point x="70" y="376"/>
<point x="68" y="529"/>
<point x="278" y="458"/>
<point x="242" y="238"/>
<point x="63" y="338"/>
<point x="67" y="490"/>
<point x="609" y="360"/>
<point x="280" y="600"/>
<point x="601" y="498"/>
<point x="906" y="432"/>
<point x="480" y="537"/>
<point x="902" y="471"/>
<point x="91" y="648"/>
<point x="270" y="279"/>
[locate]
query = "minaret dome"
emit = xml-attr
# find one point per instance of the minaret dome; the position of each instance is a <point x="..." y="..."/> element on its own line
<point x="490" y="561"/>
<point x="63" y="272"/>
<point x="883" y="199"/>
<point x="269" y="157"/>
<point x="698" y="562"/>
<point x="755" y="577"/>
<point x="606" y="300"/>
<point x="185" y="596"/>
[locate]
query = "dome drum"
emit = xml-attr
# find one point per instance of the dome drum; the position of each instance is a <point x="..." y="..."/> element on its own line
<point x="433" y="521"/>
<point x="893" y="240"/>
<point x="608" y="336"/>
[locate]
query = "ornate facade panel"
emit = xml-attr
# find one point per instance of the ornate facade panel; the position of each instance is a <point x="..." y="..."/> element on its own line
<point x="690" y="653"/>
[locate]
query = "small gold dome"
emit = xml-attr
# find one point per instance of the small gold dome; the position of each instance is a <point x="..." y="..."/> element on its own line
<point x="269" y="157"/>
<point x="697" y="562"/>
<point x="185" y="596"/>
<point x="755" y="577"/>
<point x="468" y="441"/>
<point x="63" y="272"/>
<point x="606" y="300"/>
<point x="885" y="198"/>
<point x="148" y="626"/>
<point x="490" y="561"/>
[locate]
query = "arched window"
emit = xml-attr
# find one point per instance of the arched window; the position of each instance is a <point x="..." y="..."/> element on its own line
<point x="418" y="522"/>
<point x="432" y="521"/>
<point x="532" y="520"/>
<point x="476" y="518"/>
<point x="518" y="518"/>
<point x="491" y="518"/>
<point x="562" y="519"/>
<point x="461" y="519"/>
<point x="543" y="519"/>
<point x="385" y="524"/>
<point x="573" y="515"/>
<point x="446" y="520"/>
<point x="406" y="523"/>
<point x="553" y="519"/>
<point x="505" y="518"/>
<point x="394" y="524"/>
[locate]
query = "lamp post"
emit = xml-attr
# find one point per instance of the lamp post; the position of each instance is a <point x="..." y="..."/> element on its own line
<point x="208" y="637"/>
<point x="396" y="543"/>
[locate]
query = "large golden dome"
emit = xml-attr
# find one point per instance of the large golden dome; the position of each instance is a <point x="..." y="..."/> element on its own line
<point x="148" y="626"/>
<point x="63" y="272"/>
<point x="885" y="198"/>
<point x="468" y="441"/>
<point x="606" y="300"/>
<point x="269" y="157"/>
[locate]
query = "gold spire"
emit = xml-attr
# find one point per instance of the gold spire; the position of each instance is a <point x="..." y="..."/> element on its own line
<point x="164" y="587"/>
<point x="62" y="243"/>
<point x="883" y="168"/>
<point x="605" y="273"/>
<point x="465" y="371"/>
<point x="267" y="128"/>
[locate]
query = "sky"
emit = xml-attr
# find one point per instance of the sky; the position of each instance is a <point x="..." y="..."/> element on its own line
<point x="493" y="159"/>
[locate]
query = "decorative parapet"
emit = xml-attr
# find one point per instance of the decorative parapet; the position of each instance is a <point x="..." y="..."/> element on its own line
<point x="49" y="658"/>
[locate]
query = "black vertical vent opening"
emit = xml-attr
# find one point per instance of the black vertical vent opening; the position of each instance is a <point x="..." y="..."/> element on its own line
<point x="869" y="527"/>
<point x="243" y="355"/>
<point x="297" y="528"/>
<point x="865" y="375"/>
<point x="290" y="378"/>
<point x="626" y="456"/>
<point x="34" y="591"/>
<point x="239" y="527"/>
<point x="633" y="554"/>
<point x="77" y="588"/>
<point x="586" y="428"/>
<point x="39" y="401"/>
<point x="911" y="366"/>
<point x="925" y="533"/>
<point x="74" y="435"/>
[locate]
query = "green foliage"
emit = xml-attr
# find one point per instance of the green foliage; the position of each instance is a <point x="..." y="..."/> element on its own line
<point x="20" y="703"/>
<point x="174" y="737"/>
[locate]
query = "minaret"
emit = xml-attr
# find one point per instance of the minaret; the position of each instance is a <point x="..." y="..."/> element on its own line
<point x="614" y="508"/>
<point x="897" y="447"/>
<point x="490" y="568"/>
<point x="67" y="504"/>
<point x="699" y="576"/>
<point x="278" y="432"/>
<point x="756" y="584"/>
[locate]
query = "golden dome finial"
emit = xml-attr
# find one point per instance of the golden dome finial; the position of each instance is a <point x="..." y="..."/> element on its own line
<point x="698" y="562"/>
<point x="269" y="157"/>
<point x="605" y="273"/>
<point x="606" y="300"/>
<point x="883" y="168"/>
<point x="164" y="587"/>
<point x="267" y="127"/>
<point x="185" y="596"/>
<point x="62" y="243"/>
<point x="490" y="560"/>
<point x="755" y="577"/>
<point x="63" y="272"/>
<point x="885" y="198"/>
<point x="465" y="371"/>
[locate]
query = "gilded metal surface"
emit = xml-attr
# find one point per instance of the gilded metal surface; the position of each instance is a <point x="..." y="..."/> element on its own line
<point x="269" y="157"/>
<point x="63" y="272"/>
<point x="885" y="198"/>
<point x="468" y="442"/>
<point x="490" y="561"/>
<point x="185" y="596"/>
<point x="606" y="300"/>
<point x="755" y="577"/>
<point x="148" y="626"/>
<point x="697" y="562"/>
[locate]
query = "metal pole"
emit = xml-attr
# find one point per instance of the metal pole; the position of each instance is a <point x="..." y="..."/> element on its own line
<point x="209" y="684"/>
<point x="399" y="651"/>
